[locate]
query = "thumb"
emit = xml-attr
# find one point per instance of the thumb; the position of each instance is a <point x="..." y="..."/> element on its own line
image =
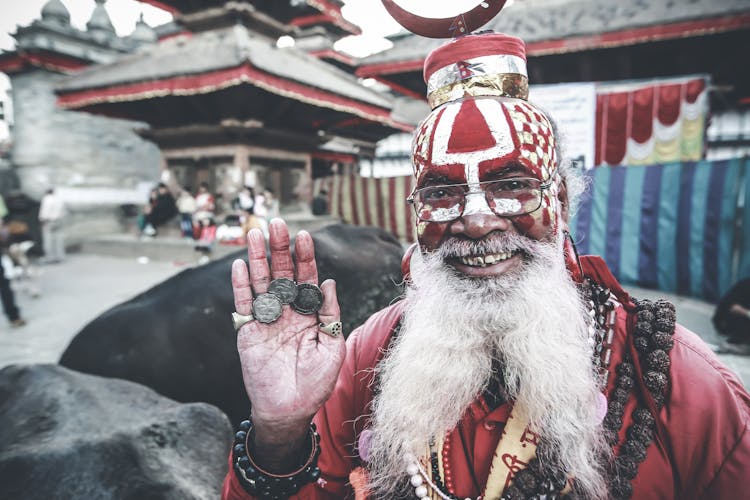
<point x="329" y="311"/>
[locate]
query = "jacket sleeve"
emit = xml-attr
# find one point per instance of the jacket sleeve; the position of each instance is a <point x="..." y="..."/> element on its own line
<point x="337" y="421"/>
<point x="709" y="415"/>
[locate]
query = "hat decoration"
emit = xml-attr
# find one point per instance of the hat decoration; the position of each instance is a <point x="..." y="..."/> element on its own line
<point x="487" y="64"/>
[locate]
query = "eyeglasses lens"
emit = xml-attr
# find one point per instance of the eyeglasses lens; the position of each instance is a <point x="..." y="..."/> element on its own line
<point x="506" y="198"/>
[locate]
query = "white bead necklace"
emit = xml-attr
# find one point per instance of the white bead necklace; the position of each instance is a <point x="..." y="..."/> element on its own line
<point x="420" y="479"/>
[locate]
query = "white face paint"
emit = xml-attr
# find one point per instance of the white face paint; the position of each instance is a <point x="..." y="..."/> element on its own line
<point x="494" y="117"/>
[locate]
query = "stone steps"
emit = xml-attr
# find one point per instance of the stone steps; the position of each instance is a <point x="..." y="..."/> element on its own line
<point x="168" y="245"/>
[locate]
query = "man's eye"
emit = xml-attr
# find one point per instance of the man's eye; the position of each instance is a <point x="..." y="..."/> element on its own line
<point x="515" y="185"/>
<point x="438" y="193"/>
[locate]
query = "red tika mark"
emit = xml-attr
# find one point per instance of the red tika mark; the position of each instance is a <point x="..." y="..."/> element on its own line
<point x="470" y="131"/>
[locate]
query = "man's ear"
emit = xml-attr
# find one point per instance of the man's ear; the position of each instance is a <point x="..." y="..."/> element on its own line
<point x="562" y="198"/>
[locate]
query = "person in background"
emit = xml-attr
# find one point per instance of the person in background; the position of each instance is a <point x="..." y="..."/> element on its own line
<point x="260" y="211"/>
<point x="162" y="210"/>
<point x="206" y="204"/>
<point x="51" y="214"/>
<point x="187" y="206"/>
<point x="732" y="315"/>
<point x="272" y="204"/>
<point x="206" y="239"/>
<point x="6" y="292"/>
<point x="246" y="200"/>
<point x="320" y="203"/>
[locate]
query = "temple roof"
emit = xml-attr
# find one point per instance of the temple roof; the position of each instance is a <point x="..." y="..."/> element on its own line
<point x="222" y="49"/>
<point x="537" y="21"/>
<point x="300" y="13"/>
<point x="213" y="76"/>
<point x="55" y="10"/>
<point x="52" y="43"/>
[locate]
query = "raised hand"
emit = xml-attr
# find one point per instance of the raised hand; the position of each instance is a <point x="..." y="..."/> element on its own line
<point x="289" y="365"/>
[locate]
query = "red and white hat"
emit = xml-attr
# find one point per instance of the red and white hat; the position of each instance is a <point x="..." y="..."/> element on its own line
<point x="486" y="64"/>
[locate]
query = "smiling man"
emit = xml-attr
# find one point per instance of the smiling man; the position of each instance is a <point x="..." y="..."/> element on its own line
<point x="510" y="369"/>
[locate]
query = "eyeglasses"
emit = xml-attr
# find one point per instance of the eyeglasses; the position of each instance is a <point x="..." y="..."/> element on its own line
<point x="506" y="198"/>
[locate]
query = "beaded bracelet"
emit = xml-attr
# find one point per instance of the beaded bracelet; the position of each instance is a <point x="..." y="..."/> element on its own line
<point x="264" y="484"/>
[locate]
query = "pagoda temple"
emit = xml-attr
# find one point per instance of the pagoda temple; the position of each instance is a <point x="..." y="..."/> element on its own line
<point x="95" y="163"/>
<point x="227" y="106"/>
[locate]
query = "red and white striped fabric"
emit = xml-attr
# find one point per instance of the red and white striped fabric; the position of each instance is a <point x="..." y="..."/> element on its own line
<point x="369" y="201"/>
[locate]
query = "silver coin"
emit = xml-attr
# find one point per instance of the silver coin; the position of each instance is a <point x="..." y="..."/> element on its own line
<point x="284" y="288"/>
<point x="266" y="308"/>
<point x="309" y="298"/>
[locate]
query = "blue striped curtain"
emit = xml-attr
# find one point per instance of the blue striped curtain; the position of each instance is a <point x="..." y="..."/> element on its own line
<point x="670" y="227"/>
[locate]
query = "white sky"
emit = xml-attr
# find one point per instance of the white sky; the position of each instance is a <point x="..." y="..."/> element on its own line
<point x="370" y="15"/>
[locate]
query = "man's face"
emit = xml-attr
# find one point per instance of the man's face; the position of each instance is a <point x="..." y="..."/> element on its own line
<point x="487" y="139"/>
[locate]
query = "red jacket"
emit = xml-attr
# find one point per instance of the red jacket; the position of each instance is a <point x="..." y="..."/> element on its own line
<point x="701" y="447"/>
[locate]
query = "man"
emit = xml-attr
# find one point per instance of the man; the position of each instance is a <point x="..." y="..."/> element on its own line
<point x="51" y="213"/>
<point x="732" y="316"/>
<point x="6" y="292"/>
<point x="510" y="369"/>
<point x="163" y="209"/>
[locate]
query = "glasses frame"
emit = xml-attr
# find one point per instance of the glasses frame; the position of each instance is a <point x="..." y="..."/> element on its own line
<point x="542" y="187"/>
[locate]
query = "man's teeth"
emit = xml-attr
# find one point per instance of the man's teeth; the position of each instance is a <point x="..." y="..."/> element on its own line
<point x="485" y="260"/>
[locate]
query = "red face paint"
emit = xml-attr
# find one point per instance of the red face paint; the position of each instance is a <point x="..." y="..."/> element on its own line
<point x="478" y="139"/>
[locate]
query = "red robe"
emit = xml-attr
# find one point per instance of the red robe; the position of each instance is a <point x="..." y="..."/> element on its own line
<point x="701" y="446"/>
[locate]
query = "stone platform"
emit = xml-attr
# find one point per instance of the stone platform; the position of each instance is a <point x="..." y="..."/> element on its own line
<point x="168" y="245"/>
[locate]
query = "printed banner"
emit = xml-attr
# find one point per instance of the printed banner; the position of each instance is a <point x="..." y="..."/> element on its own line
<point x="573" y="108"/>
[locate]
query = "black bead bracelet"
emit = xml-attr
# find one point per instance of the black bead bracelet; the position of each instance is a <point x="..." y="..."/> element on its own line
<point x="264" y="484"/>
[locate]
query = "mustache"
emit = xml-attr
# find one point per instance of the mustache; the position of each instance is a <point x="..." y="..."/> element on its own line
<point x="460" y="246"/>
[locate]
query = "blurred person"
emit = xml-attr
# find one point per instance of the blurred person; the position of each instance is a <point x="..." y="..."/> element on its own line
<point x="163" y="209"/>
<point x="246" y="200"/>
<point x="271" y="203"/>
<point x="205" y="202"/>
<point x="206" y="239"/>
<point x="51" y="214"/>
<point x="187" y="206"/>
<point x="732" y="315"/>
<point x="320" y="203"/>
<point x="6" y="292"/>
<point x="145" y="228"/>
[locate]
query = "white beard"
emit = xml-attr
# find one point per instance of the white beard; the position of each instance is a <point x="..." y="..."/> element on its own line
<point x="529" y="324"/>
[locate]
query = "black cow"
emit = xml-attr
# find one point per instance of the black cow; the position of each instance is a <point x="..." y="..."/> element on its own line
<point x="177" y="337"/>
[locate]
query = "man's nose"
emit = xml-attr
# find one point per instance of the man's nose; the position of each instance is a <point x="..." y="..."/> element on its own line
<point x="479" y="224"/>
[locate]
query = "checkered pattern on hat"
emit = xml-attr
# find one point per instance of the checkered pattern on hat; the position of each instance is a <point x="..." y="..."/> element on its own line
<point x="536" y="138"/>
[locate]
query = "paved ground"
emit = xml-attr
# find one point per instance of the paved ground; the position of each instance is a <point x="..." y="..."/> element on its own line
<point x="84" y="286"/>
<point x="73" y="293"/>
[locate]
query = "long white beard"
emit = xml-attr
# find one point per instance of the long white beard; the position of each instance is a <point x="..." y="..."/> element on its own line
<point x="456" y="330"/>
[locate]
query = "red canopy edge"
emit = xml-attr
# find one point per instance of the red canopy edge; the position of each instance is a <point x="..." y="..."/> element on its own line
<point x="639" y="35"/>
<point x="333" y="54"/>
<point x="11" y="62"/>
<point x="217" y="80"/>
<point x="386" y="68"/>
<point x="163" y="6"/>
<point x="588" y="42"/>
<point x="333" y="11"/>
<point x="330" y="156"/>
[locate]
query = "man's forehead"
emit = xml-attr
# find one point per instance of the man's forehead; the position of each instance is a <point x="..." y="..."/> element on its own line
<point x="479" y="137"/>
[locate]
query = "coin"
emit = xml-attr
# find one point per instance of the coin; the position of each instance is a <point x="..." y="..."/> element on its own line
<point x="284" y="288"/>
<point x="309" y="298"/>
<point x="266" y="308"/>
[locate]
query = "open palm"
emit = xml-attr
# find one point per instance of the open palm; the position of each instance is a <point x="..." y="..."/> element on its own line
<point x="289" y="366"/>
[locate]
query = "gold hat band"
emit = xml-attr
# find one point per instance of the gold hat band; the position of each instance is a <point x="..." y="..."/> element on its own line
<point x="496" y="85"/>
